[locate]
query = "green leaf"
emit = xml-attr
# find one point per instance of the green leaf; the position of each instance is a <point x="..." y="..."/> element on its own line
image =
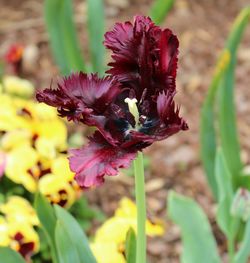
<point x="8" y="255"/>
<point x="243" y="254"/>
<point x="62" y="35"/>
<point x="47" y="219"/>
<point x="198" y="242"/>
<point x="96" y="32"/>
<point x="227" y="112"/>
<point x="160" y="9"/>
<point x="207" y="130"/>
<point x="130" y="246"/>
<point x="227" y="117"/>
<point x="225" y="189"/>
<point x="76" y="235"/>
<point x="66" y="249"/>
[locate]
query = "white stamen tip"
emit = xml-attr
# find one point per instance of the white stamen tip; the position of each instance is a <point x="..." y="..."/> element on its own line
<point x="133" y="108"/>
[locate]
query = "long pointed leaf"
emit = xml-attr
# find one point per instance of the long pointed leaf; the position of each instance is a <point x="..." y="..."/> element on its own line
<point x="227" y="118"/>
<point x="130" y="246"/>
<point x="243" y="254"/>
<point x="225" y="189"/>
<point x="96" y="32"/>
<point x="62" y="35"/>
<point x="76" y="235"/>
<point x="67" y="252"/>
<point x="47" y="219"/>
<point x="208" y="134"/>
<point x="198" y="241"/>
<point x="227" y="112"/>
<point x="8" y="255"/>
<point x="160" y="9"/>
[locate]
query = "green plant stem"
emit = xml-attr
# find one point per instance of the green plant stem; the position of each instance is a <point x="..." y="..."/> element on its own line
<point x="141" y="209"/>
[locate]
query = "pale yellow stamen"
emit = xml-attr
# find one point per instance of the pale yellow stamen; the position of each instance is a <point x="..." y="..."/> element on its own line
<point x="133" y="108"/>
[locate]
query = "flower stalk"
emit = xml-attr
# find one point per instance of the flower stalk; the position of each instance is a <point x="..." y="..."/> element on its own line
<point x="141" y="209"/>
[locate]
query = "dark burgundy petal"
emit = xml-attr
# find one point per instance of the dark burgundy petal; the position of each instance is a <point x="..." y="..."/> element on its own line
<point x="79" y="97"/>
<point x="168" y="53"/>
<point x="169" y="115"/>
<point x="117" y="39"/>
<point x="145" y="57"/>
<point x="97" y="159"/>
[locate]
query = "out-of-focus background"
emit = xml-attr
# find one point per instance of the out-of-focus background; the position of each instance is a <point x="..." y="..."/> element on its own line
<point x="202" y="27"/>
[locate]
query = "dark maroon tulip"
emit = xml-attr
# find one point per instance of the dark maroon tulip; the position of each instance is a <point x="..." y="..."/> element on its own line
<point x="131" y="107"/>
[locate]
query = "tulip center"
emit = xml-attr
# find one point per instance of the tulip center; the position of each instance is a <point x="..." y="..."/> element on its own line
<point x="133" y="109"/>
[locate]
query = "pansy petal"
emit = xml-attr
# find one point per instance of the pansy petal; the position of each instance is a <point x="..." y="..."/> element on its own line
<point x="97" y="159"/>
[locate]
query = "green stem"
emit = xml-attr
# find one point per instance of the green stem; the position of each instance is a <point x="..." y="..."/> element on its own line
<point x="141" y="209"/>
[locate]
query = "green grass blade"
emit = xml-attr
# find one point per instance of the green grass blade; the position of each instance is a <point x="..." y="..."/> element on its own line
<point x="198" y="242"/>
<point x="96" y="32"/>
<point x="207" y="129"/>
<point x="160" y="9"/>
<point x="62" y="35"/>
<point x="227" y="116"/>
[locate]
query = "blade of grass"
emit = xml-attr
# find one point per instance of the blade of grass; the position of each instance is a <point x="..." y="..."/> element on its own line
<point x="62" y="35"/>
<point x="96" y="32"/>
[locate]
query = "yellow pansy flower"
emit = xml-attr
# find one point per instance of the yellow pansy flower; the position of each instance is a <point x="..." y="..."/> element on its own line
<point x="57" y="190"/>
<point x="24" y="238"/>
<point x="22" y="167"/>
<point x="60" y="168"/>
<point x="18" y="209"/>
<point x="4" y="232"/>
<point x="107" y="253"/>
<point x="112" y="233"/>
<point x="17" y="86"/>
<point x="14" y="139"/>
<point x="16" y="227"/>
<point x="116" y="228"/>
<point x="10" y="117"/>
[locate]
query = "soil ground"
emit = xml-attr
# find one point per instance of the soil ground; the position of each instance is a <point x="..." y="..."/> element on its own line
<point x="202" y="27"/>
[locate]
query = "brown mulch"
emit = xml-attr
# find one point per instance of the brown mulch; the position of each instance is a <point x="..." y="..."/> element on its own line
<point x="202" y="27"/>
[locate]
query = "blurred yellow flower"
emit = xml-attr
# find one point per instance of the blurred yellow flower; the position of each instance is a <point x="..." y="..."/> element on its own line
<point x="57" y="190"/>
<point x="107" y="253"/>
<point x="113" y="232"/>
<point x="33" y="142"/>
<point x="116" y="228"/>
<point x="16" y="227"/>
<point x="24" y="238"/>
<point x="10" y="116"/>
<point x="60" y="168"/>
<point x="4" y="232"/>
<point x="17" y="86"/>
<point x="19" y="210"/>
<point x="21" y="167"/>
